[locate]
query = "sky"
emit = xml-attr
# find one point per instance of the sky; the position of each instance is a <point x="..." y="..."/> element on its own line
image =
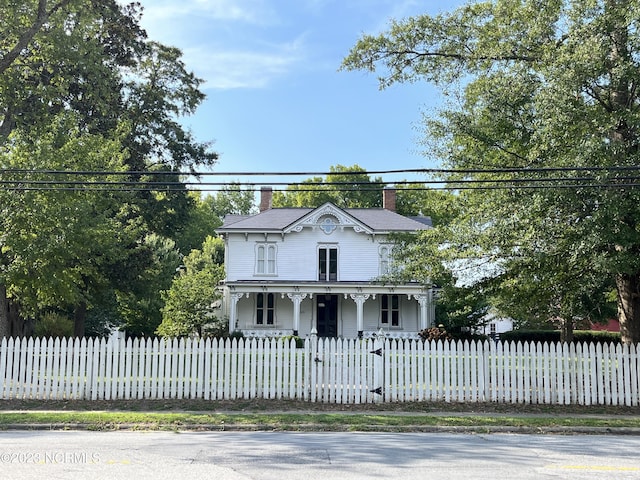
<point x="276" y="101"/>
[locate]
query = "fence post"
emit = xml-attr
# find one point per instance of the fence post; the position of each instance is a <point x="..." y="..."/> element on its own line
<point x="312" y="362"/>
<point x="378" y="385"/>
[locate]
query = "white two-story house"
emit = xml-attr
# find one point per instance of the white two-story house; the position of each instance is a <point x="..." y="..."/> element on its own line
<point x="298" y="271"/>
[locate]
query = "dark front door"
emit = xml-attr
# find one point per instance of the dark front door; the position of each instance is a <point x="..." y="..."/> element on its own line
<point x="327" y="315"/>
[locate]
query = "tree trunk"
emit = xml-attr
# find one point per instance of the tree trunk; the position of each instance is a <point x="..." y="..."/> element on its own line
<point x="566" y="330"/>
<point x="628" y="287"/>
<point x="5" y="327"/>
<point x="80" y="317"/>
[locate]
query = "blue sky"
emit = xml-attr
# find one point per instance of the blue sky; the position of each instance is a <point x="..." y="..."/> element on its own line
<point x="275" y="98"/>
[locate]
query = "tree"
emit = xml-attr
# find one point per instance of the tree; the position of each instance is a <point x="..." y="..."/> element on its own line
<point x="232" y="200"/>
<point x="139" y="301"/>
<point x="189" y="303"/>
<point x="64" y="54"/>
<point x="418" y="199"/>
<point x="575" y="109"/>
<point x="84" y="69"/>
<point x="346" y="187"/>
<point x="56" y="241"/>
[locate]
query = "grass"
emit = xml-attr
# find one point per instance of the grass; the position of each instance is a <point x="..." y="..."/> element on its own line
<point x="265" y="415"/>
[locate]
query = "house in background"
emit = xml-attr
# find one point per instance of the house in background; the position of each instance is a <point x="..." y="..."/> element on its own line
<point x="294" y="271"/>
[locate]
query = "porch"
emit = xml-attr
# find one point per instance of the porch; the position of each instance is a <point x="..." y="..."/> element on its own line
<point x="332" y="310"/>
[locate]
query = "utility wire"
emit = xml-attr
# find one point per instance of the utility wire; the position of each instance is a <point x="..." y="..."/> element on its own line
<point x="346" y="173"/>
<point x="564" y="181"/>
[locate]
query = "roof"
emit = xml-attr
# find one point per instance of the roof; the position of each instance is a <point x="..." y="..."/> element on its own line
<point x="277" y="219"/>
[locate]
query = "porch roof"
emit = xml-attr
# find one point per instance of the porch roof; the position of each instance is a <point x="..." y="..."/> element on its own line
<point x="324" y="288"/>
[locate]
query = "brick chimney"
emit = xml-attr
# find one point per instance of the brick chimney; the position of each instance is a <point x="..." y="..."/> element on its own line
<point x="265" y="198"/>
<point x="389" y="198"/>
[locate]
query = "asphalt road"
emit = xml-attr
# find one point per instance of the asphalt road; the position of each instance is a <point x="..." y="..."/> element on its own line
<point x="314" y="456"/>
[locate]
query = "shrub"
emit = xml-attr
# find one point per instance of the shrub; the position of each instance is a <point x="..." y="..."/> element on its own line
<point x="218" y="327"/>
<point x="553" y="336"/>
<point x="299" y="341"/>
<point x="53" y="324"/>
<point x="434" y="333"/>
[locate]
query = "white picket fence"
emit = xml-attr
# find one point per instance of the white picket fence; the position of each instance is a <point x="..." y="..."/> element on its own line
<point x="330" y="371"/>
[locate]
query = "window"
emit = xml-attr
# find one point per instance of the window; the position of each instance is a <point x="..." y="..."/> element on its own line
<point x="328" y="264"/>
<point x="385" y="253"/>
<point x="265" y="309"/>
<point x="390" y="310"/>
<point x="328" y="223"/>
<point x="266" y="259"/>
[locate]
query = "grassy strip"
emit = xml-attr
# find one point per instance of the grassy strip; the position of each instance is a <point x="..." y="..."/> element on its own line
<point x="295" y="421"/>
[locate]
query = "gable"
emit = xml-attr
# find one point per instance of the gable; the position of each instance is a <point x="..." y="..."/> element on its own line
<point x="328" y="218"/>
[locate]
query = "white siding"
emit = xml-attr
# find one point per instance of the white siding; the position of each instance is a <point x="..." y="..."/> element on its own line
<point x="358" y="255"/>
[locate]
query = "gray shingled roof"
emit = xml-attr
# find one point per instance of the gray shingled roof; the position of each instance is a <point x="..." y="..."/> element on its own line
<point x="275" y="219"/>
<point x="385" y="220"/>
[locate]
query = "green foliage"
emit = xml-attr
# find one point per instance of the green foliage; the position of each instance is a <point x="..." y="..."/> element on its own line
<point x="418" y="200"/>
<point x="461" y="308"/>
<point x="55" y="325"/>
<point x="55" y="242"/>
<point x="140" y="303"/>
<point x="536" y="86"/>
<point x="216" y="327"/>
<point x="298" y="341"/>
<point x="553" y="336"/>
<point x="231" y="200"/>
<point x="351" y="188"/>
<point x="83" y="90"/>
<point x="189" y="302"/>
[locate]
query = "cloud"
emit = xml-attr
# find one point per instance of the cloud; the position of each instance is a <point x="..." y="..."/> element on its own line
<point x="225" y="42"/>
<point x="224" y="69"/>
<point x="246" y="11"/>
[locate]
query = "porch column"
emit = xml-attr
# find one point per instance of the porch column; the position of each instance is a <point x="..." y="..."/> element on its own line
<point x="233" y="310"/>
<point x="360" y="298"/>
<point x="426" y="317"/>
<point x="296" y="298"/>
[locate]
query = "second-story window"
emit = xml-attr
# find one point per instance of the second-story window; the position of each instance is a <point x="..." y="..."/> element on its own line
<point x="266" y="259"/>
<point x="328" y="264"/>
<point x="385" y="258"/>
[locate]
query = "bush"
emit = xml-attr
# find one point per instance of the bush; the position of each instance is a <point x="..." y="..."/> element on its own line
<point x="54" y="325"/>
<point x="435" y="333"/>
<point x="299" y="341"/>
<point x="553" y="336"/>
<point x="219" y="328"/>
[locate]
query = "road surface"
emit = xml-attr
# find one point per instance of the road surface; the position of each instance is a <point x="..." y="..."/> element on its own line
<point x="314" y="456"/>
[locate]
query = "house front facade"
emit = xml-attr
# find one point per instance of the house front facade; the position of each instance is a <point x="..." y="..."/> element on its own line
<point x="303" y="271"/>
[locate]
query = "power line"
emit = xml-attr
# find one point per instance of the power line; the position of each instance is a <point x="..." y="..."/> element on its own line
<point x="563" y="181"/>
<point x="325" y="173"/>
<point x="179" y="187"/>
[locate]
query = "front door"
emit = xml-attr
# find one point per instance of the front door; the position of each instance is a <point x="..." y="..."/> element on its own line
<point x="327" y="315"/>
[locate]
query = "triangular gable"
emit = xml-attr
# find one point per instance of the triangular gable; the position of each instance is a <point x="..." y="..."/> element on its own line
<point x="328" y="218"/>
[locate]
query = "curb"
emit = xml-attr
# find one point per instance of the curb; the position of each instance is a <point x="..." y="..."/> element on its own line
<point x="318" y="428"/>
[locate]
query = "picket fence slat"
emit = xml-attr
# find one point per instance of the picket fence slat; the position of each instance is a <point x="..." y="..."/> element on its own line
<point x="341" y="371"/>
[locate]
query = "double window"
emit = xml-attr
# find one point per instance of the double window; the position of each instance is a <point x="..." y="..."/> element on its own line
<point x="265" y="308"/>
<point x="266" y="259"/>
<point x="390" y="310"/>
<point x="328" y="264"/>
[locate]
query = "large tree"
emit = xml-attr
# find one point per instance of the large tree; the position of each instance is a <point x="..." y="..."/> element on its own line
<point x="56" y="241"/>
<point x="84" y="70"/>
<point x="537" y="86"/>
